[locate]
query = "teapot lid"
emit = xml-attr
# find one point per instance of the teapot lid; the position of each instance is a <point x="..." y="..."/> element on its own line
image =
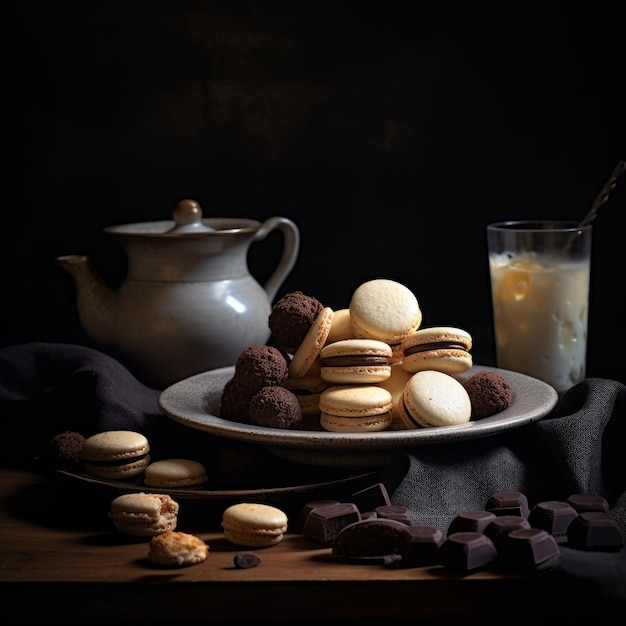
<point x="188" y="220"/>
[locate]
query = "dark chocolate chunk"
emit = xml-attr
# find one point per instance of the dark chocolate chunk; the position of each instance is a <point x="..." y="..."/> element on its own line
<point x="552" y="516"/>
<point x="324" y="523"/>
<point x="467" y="552"/>
<point x="508" y="503"/>
<point x="584" y="502"/>
<point x="371" y="497"/>
<point x="395" y="512"/>
<point x="595" y="530"/>
<point x="471" y="521"/>
<point x="419" y="545"/>
<point x="526" y="548"/>
<point x="368" y="538"/>
<point x="308" y="507"/>
<point x="246" y="560"/>
<point x="501" y="525"/>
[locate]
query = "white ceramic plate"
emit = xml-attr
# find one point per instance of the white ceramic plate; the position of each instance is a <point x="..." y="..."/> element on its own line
<point x="195" y="402"/>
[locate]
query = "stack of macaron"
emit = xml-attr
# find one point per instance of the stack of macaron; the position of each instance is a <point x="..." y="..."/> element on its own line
<point x="369" y="366"/>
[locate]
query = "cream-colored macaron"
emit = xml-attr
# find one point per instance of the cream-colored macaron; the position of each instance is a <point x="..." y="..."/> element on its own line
<point x="433" y="398"/>
<point x="355" y="361"/>
<point x="115" y="454"/>
<point x="384" y="309"/>
<point x="175" y="474"/>
<point x="308" y="351"/>
<point x="254" y="525"/>
<point x="443" y="348"/>
<point x="144" y="514"/>
<point x="395" y="385"/>
<point x="341" y="328"/>
<point x="355" y="408"/>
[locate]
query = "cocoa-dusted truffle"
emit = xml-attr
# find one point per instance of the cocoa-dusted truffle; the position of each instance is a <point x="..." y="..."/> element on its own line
<point x="291" y="317"/>
<point x="275" y="407"/>
<point x="260" y="365"/>
<point x="489" y="393"/>
<point x="64" y="450"/>
<point x="235" y="404"/>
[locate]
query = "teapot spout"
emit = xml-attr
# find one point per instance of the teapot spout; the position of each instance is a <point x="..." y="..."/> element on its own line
<point x="95" y="300"/>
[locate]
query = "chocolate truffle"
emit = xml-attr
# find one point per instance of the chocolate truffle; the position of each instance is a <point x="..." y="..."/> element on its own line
<point x="275" y="407"/>
<point x="64" y="450"/>
<point x="259" y="366"/>
<point x="235" y="403"/>
<point x="291" y="317"/>
<point x="489" y="393"/>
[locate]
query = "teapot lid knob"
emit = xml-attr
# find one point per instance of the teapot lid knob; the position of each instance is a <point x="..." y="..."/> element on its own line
<point x="188" y="218"/>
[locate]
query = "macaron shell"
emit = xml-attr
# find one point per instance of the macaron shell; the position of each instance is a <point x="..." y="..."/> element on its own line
<point x="366" y="424"/>
<point x="395" y="385"/>
<point x="175" y="473"/>
<point x="433" y="398"/>
<point x="384" y="309"/>
<point x="341" y="327"/>
<point x="112" y="445"/>
<point x="356" y="374"/>
<point x="447" y="361"/>
<point x="311" y="345"/>
<point x="121" y="471"/>
<point x="355" y="400"/>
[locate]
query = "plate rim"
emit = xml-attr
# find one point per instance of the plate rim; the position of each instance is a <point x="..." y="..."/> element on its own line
<point x="182" y="403"/>
<point x="217" y="494"/>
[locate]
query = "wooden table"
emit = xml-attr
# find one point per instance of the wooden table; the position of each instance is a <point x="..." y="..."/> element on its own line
<point x="61" y="561"/>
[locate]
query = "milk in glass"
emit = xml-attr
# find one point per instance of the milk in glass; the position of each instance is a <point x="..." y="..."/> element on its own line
<point x="540" y="309"/>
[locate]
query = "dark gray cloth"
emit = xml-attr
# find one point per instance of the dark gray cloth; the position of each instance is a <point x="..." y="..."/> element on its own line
<point x="48" y="388"/>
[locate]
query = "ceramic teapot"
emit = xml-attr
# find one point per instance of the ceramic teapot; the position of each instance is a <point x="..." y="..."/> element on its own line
<point x="188" y="303"/>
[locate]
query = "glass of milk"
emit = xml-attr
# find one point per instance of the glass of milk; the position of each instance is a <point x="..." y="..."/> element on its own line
<point x="539" y="274"/>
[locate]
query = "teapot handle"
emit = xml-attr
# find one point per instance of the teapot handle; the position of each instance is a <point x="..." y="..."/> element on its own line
<point x="291" y="247"/>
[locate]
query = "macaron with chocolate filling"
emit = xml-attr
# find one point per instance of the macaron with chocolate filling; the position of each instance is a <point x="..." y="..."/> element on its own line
<point x="353" y="361"/>
<point x="442" y="348"/>
<point x="115" y="454"/>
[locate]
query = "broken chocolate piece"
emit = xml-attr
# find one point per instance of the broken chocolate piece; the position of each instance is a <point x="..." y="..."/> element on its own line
<point x="371" y="497"/>
<point x="324" y="523"/>
<point x="308" y="507"/>
<point x="368" y="538"/>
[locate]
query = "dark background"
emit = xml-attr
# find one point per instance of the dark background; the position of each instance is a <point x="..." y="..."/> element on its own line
<point x="390" y="132"/>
